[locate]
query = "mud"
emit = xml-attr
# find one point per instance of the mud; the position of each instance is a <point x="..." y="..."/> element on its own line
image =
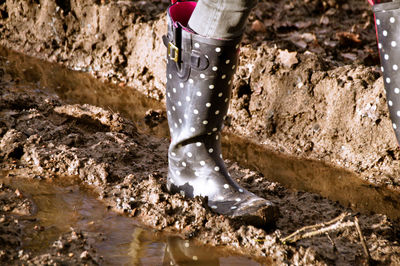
<point x="327" y="105"/>
<point x="127" y="168"/>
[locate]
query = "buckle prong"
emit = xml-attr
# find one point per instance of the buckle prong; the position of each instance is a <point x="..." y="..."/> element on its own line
<point x="171" y="47"/>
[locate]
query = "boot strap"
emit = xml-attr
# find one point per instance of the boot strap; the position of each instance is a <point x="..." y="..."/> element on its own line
<point x="192" y="58"/>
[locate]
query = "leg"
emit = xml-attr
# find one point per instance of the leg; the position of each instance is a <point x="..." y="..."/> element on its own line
<point x="223" y="19"/>
<point x="388" y="27"/>
<point x="199" y="73"/>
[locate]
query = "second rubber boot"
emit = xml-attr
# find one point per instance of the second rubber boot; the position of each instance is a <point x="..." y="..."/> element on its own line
<point x="199" y="73"/>
<point x="387" y="19"/>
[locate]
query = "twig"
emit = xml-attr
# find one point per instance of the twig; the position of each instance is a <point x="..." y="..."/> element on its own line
<point x="332" y="242"/>
<point x="362" y="239"/>
<point x="316" y="229"/>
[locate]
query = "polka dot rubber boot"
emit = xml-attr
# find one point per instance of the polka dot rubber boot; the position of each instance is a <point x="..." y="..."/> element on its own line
<point x="387" y="17"/>
<point x="199" y="73"/>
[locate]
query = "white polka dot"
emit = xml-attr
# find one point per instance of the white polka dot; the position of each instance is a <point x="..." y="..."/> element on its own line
<point x="213" y="207"/>
<point x="217" y="137"/>
<point x="396" y="90"/>
<point x="197" y="45"/>
<point x="185" y="116"/>
<point x="191" y="81"/>
<point x="195" y="258"/>
<point x="214" y="129"/>
<point x="178" y="173"/>
<point x="390" y="103"/>
<point x="395" y="67"/>
<point x="173" y="153"/>
<point x="176" y="125"/>
<point x="198" y="144"/>
<point x="227" y="61"/>
<point x="238" y="199"/>
<point x="171" y="130"/>
<point x="169" y="95"/>
<point x="220" y="156"/>
<point x="180" y="121"/>
<point x="173" y="108"/>
<point x="187" y="244"/>
<point x="223" y="77"/>
<point x="384" y="33"/>
<point x="224" y="117"/>
<point x="217" y="112"/>
<point x="170" y="76"/>
<point x="233" y="207"/>
<point x="220" y="198"/>
<point x="189" y="154"/>
<point x="393" y="43"/>
<point x="202" y="76"/>
<point x="198" y="93"/>
<point x="187" y="98"/>
<point x="195" y="111"/>
<point x="378" y="22"/>
<point x="211" y="150"/>
<point x="181" y="85"/>
<point x="211" y="87"/>
<point x="179" y="103"/>
<point x="387" y="80"/>
<point x="379" y="45"/>
<point x="386" y="56"/>
<point x="233" y="67"/>
<point x="237" y="46"/>
<point x="205" y="122"/>
<point x="394" y="126"/>
<point x="398" y="113"/>
<point x="220" y="94"/>
<point x="214" y="68"/>
<point x="218" y="49"/>
<point x="192" y="129"/>
<point x="226" y="99"/>
<point x="392" y="19"/>
<point x="216" y="168"/>
<point x="174" y="90"/>
<point x="226" y="186"/>
<point x="229" y="82"/>
<point x="208" y="104"/>
<point x="202" y="163"/>
<point x="169" y="113"/>
<point x="383" y="69"/>
<point x="183" y="164"/>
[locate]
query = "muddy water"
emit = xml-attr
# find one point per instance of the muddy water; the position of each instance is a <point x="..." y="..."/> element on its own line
<point x="79" y="87"/>
<point x="65" y="204"/>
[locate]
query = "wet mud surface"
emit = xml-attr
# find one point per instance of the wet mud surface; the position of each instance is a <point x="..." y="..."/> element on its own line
<point x="321" y="101"/>
<point x="48" y="135"/>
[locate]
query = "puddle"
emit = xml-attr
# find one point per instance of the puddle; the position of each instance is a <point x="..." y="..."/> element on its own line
<point x="64" y="203"/>
<point x="308" y="175"/>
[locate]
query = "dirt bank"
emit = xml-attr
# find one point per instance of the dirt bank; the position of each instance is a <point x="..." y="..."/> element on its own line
<point x="328" y="104"/>
<point x="128" y="169"/>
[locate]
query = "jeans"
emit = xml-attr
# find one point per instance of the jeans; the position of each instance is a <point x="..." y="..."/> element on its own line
<point x="222" y="19"/>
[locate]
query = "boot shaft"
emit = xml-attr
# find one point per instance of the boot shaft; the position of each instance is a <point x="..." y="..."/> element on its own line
<point x="387" y="17"/>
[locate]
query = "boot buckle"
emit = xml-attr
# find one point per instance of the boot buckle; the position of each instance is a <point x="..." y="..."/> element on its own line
<point x="175" y="54"/>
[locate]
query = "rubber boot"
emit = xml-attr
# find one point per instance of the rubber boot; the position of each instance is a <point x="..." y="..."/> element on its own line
<point x="387" y="18"/>
<point x="199" y="73"/>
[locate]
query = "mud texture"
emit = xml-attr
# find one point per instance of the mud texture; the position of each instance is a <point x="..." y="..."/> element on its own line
<point x="128" y="169"/>
<point x="321" y="99"/>
<point x="324" y="100"/>
<point x="18" y="226"/>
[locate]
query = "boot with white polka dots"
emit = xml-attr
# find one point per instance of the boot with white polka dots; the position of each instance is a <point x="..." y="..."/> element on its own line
<point x="387" y="17"/>
<point x="199" y="73"/>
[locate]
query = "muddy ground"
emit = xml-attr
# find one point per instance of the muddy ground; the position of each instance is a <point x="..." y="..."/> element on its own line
<point x="326" y="103"/>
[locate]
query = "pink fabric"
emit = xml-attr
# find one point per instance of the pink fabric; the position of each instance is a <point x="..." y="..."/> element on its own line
<point x="181" y="12"/>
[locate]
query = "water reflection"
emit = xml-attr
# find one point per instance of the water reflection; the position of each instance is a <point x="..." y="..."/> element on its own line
<point x="308" y="175"/>
<point x="64" y="203"/>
